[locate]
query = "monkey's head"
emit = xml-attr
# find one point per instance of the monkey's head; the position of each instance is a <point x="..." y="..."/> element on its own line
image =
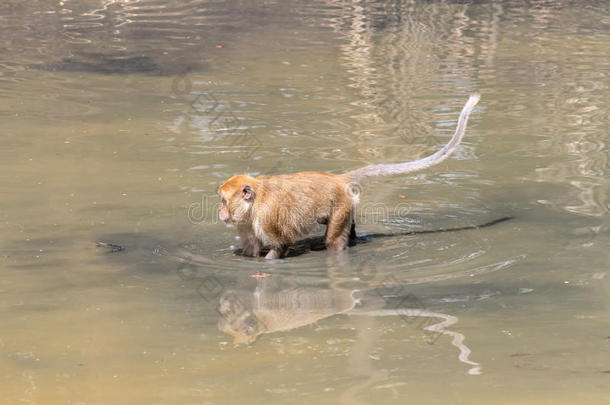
<point x="236" y="199"/>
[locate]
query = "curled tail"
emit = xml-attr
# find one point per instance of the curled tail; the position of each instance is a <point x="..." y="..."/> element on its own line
<point x="407" y="167"/>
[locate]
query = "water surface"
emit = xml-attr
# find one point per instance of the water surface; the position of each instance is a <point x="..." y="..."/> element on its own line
<point x="121" y="118"/>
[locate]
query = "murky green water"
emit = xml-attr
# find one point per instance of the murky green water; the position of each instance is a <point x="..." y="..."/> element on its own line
<point x="121" y="118"/>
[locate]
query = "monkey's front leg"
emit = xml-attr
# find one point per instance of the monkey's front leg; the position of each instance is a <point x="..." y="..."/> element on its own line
<point x="251" y="246"/>
<point x="251" y="250"/>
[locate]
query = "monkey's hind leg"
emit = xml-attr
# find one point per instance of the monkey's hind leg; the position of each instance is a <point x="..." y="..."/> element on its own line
<point x="339" y="230"/>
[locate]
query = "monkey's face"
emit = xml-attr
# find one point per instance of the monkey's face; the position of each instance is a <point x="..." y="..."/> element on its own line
<point x="236" y="201"/>
<point x="224" y="213"/>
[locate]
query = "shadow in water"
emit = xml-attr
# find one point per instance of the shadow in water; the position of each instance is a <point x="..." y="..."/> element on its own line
<point x="316" y="243"/>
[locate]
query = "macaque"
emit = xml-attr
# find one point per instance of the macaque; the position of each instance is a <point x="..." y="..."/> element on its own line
<point x="275" y="210"/>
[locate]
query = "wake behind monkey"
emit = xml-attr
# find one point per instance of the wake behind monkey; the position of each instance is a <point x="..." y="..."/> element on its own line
<point x="276" y="210"/>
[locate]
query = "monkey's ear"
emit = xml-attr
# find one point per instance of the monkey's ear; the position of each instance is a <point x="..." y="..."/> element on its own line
<point x="247" y="193"/>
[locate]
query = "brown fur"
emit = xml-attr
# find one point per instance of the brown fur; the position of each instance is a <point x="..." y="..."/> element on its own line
<point x="286" y="207"/>
<point x="276" y="210"/>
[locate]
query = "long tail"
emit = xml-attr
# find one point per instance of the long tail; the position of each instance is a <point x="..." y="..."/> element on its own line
<point x="407" y="167"/>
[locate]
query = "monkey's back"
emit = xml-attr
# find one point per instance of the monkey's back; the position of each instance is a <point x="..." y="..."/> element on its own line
<point x="290" y="205"/>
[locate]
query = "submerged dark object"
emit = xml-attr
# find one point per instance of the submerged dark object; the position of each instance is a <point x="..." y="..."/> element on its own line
<point x="114" y="248"/>
<point x="116" y="64"/>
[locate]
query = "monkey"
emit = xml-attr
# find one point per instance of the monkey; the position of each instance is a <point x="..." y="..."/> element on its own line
<point x="275" y="210"/>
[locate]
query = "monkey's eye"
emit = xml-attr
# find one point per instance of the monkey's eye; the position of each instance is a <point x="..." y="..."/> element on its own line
<point x="222" y="200"/>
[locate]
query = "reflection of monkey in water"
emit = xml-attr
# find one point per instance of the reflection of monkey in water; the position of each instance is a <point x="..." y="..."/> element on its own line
<point x="247" y="315"/>
<point x="276" y="210"/>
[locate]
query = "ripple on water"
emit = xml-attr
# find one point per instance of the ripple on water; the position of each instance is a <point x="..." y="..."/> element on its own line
<point x="410" y="259"/>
